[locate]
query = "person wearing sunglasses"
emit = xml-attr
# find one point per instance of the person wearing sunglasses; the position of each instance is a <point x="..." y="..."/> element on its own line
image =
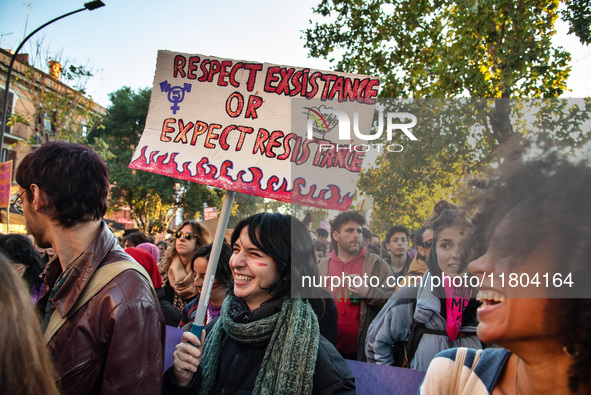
<point x="178" y="277"/>
<point x="418" y="266"/>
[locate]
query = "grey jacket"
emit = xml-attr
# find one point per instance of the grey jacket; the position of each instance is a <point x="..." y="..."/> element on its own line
<point x="394" y="321"/>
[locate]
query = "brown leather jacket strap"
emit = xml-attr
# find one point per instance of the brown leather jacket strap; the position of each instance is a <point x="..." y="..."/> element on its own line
<point x="99" y="280"/>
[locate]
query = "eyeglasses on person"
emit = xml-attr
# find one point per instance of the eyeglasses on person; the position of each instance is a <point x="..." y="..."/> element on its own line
<point x="188" y="235"/>
<point x="17" y="204"/>
<point x="428" y="244"/>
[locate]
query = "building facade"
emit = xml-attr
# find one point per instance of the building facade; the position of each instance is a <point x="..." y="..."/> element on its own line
<point x="40" y="108"/>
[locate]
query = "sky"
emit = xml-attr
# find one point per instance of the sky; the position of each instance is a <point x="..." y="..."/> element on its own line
<point x="119" y="42"/>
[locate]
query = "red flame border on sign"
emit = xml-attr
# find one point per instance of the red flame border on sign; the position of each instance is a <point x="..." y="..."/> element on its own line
<point x="206" y="174"/>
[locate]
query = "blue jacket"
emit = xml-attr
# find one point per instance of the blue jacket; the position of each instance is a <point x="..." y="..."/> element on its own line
<point x="394" y="321"/>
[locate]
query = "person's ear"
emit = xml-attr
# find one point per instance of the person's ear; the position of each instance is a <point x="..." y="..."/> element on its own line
<point x="421" y="251"/>
<point x="335" y="235"/>
<point x="39" y="197"/>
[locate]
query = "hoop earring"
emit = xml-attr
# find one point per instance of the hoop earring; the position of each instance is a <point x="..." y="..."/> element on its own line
<point x="568" y="354"/>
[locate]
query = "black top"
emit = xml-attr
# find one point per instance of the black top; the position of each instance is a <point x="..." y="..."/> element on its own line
<point x="240" y="363"/>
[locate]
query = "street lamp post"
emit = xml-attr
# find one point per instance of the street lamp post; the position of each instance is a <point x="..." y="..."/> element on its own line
<point x="92" y="5"/>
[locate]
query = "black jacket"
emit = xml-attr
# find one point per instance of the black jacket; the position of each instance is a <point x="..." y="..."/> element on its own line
<point x="240" y="364"/>
<point x="172" y="315"/>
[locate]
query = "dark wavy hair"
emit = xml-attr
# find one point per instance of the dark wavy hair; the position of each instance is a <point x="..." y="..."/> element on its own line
<point x="395" y="229"/>
<point x="341" y="219"/>
<point x="21" y="250"/>
<point x="223" y="273"/>
<point x="322" y="232"/>
<point x="419" y="236"/>
<point x="545" y="195"/>
<point x="136" y="238"/>
<point x="287" y="241"/>
<point x="74" y="178"/>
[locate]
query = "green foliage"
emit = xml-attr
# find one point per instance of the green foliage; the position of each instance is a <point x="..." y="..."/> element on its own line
<point x="578" y="15"/>
<point x="153" y="199"/>
<point x="435" y="48"/>
<point x="247" y="205"/>
<point x="454" y="141"/>
<point x="495" y="49"/>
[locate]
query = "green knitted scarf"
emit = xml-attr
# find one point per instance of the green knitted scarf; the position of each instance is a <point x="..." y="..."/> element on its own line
<point x="290" y="357"/>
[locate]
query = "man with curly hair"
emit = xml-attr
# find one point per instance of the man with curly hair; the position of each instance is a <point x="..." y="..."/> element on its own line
<point x="531" y="222"/>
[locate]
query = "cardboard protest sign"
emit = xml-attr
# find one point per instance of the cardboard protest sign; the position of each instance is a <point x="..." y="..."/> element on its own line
<point x="234" y="125"/>
<point x="5" y="182"/>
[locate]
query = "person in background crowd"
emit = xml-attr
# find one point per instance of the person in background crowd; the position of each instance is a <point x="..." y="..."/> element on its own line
<point x="45" y="253"/>
<point x="134" y="239"/>
<point x="366" y="237"/>
<point x="374" y="249"/>
<point x="172" y="316"/>
<point x="375" y="240"/>
<point x="418" y="266"/>
<point x="26" y="261"/>
<point x="397" y="245"/>
<point x="314" y="236"/>
<point x="323" y="238"/>
<point x="319" y="248"/>
<point x="114" y="342"/>
<point x="357" y="302"/>
<point x="531" y="216"/>
<point x="448" y="312"/>
<point x="413" y="240"/>
<point x="265" y="340"/>
<point x="221" y="284"/>
<point x="152" y="249"/>
<point x="179" y="287"/>
<point x="322" y="235"/>
<point x="162" y="247"/>
<point x="25" y="366"/>
<point x="384" y="252"/>
<point x="308" y="219"/>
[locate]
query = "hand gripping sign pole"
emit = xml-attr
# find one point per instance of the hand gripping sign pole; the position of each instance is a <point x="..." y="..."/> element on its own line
<point x="212" y="265"/>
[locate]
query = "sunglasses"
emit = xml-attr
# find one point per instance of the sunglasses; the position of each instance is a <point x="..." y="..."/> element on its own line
<point x="428" y="244"/>
<point x="17" y="204"/>
<point x="188" y="235"/>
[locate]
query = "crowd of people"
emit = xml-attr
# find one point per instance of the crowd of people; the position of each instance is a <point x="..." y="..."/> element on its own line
<point x="80" y="315"/>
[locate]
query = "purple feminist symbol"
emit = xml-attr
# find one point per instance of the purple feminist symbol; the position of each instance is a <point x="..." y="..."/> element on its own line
<point x="176" y="94"/>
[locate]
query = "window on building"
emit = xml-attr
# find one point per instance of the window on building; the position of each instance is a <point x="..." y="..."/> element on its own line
<point x="9" y="108"/>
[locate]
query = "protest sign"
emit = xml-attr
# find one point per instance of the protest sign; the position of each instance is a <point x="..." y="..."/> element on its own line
<point x="230" y="124"/>
<point x="210" y="212"/>
<point x="5" y="181"/>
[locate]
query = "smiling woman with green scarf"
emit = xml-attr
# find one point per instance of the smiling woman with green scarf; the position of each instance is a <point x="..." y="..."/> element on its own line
<point x="264" y="342"/>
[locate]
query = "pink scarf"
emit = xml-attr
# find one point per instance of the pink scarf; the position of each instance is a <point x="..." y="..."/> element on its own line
<point x="456" y="300"/>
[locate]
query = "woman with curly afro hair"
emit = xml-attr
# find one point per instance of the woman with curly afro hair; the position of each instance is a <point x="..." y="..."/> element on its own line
<point x="529" y="249"/>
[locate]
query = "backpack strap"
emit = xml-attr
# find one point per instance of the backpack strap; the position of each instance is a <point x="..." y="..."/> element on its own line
<point x="103" y="276"/>
<point x="456" y="373"/>
<point x="417" y="330"/>
<point x="455" y="385"/>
